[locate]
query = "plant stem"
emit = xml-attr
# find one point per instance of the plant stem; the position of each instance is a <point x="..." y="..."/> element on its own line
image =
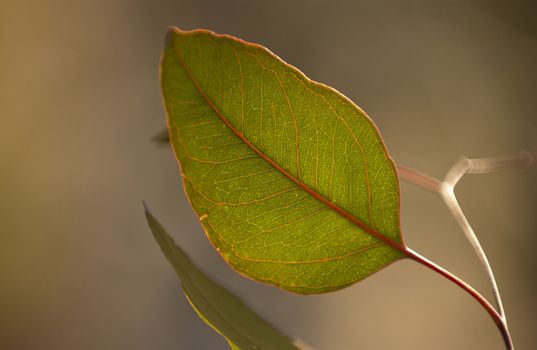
<point x="446" y="189"/>
<point x="488" y="165"/>
<point x="499" y="320"/>
<point x="448" y="195"/>
<point x="418" y="178"/>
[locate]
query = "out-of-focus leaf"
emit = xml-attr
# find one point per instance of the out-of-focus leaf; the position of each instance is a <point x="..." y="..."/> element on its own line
<point x="221" y="310"/>
<point x="290" y="179"/>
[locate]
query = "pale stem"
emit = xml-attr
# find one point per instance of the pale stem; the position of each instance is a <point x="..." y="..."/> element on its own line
<point x="446" y="189"/>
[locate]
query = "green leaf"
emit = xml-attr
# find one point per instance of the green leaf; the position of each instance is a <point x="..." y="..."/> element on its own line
<point x="290" y="180"/>
<point x="221" y="310"/>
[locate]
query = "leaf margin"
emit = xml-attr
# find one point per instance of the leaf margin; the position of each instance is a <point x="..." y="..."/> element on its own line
<point x="170" y="250"/>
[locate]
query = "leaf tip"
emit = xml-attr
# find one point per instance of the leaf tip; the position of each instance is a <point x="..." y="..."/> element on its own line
<point x="170" y="33"/>
<point x="146" y="209"/>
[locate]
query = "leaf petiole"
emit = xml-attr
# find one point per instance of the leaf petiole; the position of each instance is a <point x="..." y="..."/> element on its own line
<point x="446" y="189"/>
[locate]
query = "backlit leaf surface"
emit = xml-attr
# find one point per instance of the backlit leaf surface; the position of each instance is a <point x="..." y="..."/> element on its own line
<point x="221" y="310"/>
<point x="290" y="180"/>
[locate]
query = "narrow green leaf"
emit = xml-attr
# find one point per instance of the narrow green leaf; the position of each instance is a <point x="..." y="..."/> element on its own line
<point x="221" y="310"/>
<point x="291" y="181"/>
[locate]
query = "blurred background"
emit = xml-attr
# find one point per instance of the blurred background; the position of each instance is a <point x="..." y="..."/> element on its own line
<point x="79" y="102"/>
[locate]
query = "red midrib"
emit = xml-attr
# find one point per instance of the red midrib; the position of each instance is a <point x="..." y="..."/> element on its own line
<point x="401" y="247"/>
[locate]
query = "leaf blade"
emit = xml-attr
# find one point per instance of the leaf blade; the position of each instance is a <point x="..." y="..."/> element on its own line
<point x="218" y="308"/>
<point x="245" y="152"/>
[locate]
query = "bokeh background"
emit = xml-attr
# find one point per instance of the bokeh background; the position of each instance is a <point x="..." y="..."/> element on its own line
<point x="79" y="102"/>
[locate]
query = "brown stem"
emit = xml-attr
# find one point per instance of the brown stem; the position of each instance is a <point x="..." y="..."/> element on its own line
<point x="418" y="178"/>
<point x="445" y="189"/>
<point x="518" y="160"/>
<point x="496" y="317"/>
